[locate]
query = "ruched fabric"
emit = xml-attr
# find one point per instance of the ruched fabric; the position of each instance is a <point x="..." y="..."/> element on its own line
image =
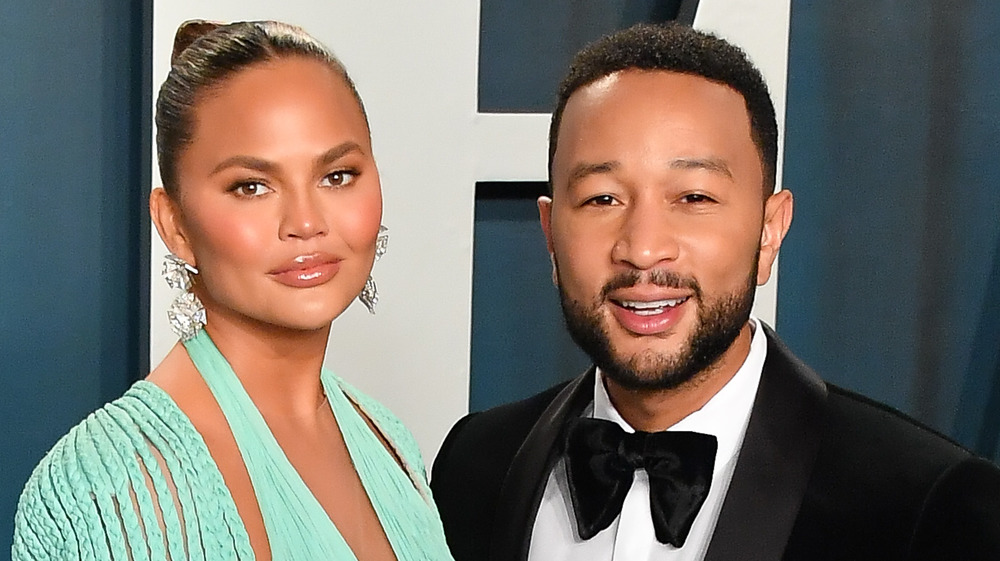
<point x="135" y="481"/>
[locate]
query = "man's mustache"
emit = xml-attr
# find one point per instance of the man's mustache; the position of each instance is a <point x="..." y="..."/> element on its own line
<point x="657" y="277"/>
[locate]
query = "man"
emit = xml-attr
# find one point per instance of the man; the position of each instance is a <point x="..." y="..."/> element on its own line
<point x="662" y="220"/>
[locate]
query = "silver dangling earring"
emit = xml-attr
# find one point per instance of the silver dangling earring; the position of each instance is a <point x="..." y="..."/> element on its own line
<point x="186" y="314"/>
<point x="369" y="294"/>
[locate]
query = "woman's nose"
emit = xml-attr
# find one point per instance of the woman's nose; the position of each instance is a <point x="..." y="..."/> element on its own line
<point x="302" y="216"/>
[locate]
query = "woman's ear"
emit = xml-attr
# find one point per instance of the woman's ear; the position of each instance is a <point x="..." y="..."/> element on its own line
<point x="166" y="216"/>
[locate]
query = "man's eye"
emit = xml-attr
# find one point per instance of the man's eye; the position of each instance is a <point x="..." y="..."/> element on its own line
<point x="251" y="189"/>
<point x="601" y="200"/>
<point x="339" y="178"/>
<point x="697" y="198"/>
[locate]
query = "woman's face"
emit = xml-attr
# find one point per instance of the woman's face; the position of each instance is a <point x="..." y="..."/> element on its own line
<point x="279" y="198"/>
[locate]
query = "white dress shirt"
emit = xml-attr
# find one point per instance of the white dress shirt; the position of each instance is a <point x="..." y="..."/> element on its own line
<point x="630" y="537"/>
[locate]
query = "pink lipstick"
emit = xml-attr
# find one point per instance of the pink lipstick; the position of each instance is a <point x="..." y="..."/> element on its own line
<point x="306" y="271"/>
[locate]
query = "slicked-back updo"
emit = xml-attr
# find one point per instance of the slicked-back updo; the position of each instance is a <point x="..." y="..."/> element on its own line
<point x="206" y="54"/>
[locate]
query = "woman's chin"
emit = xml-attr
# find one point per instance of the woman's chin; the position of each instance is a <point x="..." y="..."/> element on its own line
<point x="288" y="323"/>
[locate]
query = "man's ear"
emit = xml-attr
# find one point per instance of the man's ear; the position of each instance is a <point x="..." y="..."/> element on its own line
<point x="166" y="216"/>
<point x="545" y="218"/>
<point x="777" y="219"/>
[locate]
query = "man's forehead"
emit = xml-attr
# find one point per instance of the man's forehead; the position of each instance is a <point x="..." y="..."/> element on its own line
<point x="603" y="84"/>
<point x="652" y="81"/>
<point x="641" y="95"/>
<point x="685" y="120"/>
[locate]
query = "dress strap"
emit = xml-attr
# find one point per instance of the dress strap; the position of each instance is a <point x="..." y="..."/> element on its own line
<point x="297" y="525"/>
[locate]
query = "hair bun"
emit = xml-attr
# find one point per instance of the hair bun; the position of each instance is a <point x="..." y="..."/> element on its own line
<point x="188" y="33"/>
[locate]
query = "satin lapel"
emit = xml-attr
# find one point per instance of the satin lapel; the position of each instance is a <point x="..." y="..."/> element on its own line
<point x="775" y="461"/>
<point x="524" y="483"/>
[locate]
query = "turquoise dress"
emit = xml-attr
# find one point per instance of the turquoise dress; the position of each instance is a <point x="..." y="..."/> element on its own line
<point x="135" y="481"/>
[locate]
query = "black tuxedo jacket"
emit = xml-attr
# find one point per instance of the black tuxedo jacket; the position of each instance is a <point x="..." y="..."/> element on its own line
<point x="822" y="474"/>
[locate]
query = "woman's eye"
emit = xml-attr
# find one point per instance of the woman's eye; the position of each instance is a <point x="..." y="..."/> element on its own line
<point x="339" y="178"/>
<point x="251" y="189"/>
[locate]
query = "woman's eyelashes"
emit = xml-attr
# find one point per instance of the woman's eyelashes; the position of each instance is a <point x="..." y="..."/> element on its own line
<point x="339" y="178"/>
<point x="250" y="189"/>
<point x="253" y="188"/>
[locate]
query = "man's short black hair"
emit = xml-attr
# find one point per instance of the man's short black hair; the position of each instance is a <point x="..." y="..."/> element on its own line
<point x="676" y="48"/>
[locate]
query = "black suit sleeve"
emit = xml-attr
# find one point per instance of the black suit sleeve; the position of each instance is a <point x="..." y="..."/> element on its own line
<point x="961" y="515"/>
<point x="444" y="462"/>
<point x="470" y="469"/>
<point x="447" y="482"/>
<point x="885" y="487"/>
<point x="465" y="480"/>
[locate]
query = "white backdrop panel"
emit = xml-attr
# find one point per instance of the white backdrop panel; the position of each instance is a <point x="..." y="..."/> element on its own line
<point x="415" y="65"/>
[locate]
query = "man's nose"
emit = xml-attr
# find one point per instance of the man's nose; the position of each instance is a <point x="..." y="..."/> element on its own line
<point x="645" y="238"/>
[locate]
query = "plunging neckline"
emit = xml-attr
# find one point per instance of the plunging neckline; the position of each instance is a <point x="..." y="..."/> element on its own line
<point x="353" y="421"/>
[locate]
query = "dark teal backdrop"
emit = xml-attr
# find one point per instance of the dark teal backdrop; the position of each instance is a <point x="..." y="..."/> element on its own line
<point x="74" y="173"/>
<point x="890" y="277"/>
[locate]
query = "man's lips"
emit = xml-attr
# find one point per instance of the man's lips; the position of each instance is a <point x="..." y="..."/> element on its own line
<point x="648" y="315"/>
<point x="650" y="308"/>
<point x="305" y="271"/>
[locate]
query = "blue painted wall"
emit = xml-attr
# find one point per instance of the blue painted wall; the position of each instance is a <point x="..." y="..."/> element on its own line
<point x="889" y="277"/>
<point x="513" y="78"/>
<point x="73" y="231"/>
<point x="520" y="345"/>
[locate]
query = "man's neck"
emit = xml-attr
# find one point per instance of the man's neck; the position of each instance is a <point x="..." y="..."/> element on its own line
<point x="657" y="410"/>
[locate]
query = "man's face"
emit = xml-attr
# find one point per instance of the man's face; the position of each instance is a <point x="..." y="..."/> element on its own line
<point x="658" y="226"/>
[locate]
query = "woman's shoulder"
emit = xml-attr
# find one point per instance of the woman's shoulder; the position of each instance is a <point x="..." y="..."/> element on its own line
<point x="82" y="458"/>
<point x="82" y="466"/>
<point x="92" y="474"/>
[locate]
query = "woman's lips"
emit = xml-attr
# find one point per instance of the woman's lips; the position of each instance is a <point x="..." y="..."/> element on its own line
<point x="306" y="271"/>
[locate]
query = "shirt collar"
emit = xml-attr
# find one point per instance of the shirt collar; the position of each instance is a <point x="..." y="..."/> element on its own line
<point x="725" y="415"/>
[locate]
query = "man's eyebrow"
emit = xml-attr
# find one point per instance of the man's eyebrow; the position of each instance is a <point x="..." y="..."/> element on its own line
<point x="716" y="165"/>
<point x="582" y="170"/>
<point x="265" y="166"/>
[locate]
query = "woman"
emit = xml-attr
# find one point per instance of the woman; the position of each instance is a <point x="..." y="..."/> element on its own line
<point x="238" y="445"/>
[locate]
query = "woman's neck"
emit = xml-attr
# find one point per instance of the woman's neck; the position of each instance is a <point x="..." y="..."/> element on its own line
<point x="279" y="367"/>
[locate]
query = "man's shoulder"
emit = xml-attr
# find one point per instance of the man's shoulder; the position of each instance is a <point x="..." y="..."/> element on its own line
<point x="884" y="485"/>
<point x="510" y="420"/>
<point x="869" y="447"/>
<point x="871" y="427"/>
<point x="472" y="464"/>
<point x="493" y="435"/>
<point x="859" y="426"/>
<point x="882" y="481"/>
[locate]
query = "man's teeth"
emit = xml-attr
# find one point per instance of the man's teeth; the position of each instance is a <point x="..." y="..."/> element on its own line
<point x="643" y="308"/>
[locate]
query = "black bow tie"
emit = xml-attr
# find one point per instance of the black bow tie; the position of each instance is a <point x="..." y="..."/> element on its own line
<point x="602" y="459"/>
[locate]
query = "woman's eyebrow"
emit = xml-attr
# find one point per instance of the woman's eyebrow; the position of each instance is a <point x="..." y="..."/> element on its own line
<point x="265" y="166"/>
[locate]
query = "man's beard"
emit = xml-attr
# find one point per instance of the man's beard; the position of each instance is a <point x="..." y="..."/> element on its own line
<point x="719" y="323"/>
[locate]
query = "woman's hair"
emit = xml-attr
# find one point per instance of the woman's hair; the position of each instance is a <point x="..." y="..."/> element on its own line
<point x="206" y="54"/>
